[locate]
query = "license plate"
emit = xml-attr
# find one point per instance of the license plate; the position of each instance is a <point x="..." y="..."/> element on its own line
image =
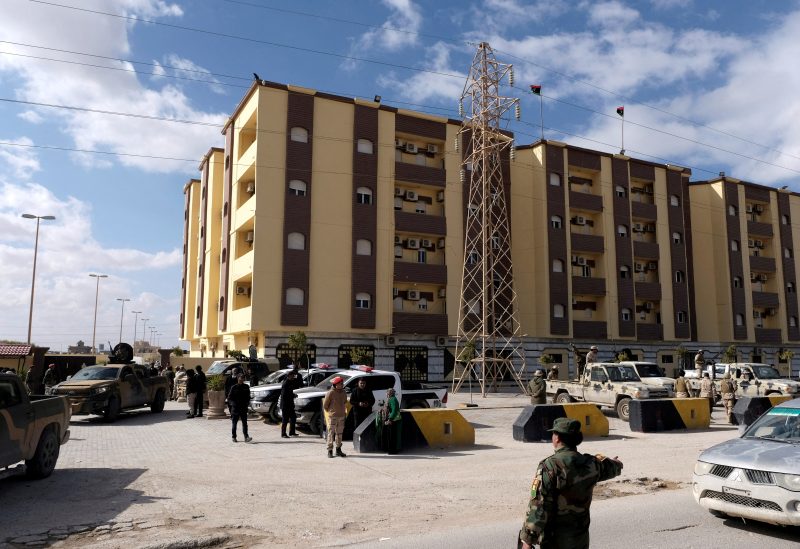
<point x="735" y="491"/>
<point x="437" y="403"/>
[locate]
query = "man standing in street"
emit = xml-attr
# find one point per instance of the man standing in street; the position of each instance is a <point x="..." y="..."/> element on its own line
<point x="561" y="492"/>
<point x="29" y="381"/>
<point x="170" y="375"/>
<point x="50" y="377"/>
<point x="362" y="400"/>
<point x="537" y="387"/>
<point x="700" y="362"/>
<point x="707" y="390"/>
<point x="239" y="400"/>
<point x="591" y="356"/>
<point x="335" y="407"/>
<point x="681" y="388"/>
<point x="727" y="388"/>
<point x="288" y="414"/>
<point x="200" y="378"/>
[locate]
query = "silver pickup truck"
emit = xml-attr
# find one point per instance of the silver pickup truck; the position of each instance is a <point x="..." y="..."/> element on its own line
<point x="764" y="379"/>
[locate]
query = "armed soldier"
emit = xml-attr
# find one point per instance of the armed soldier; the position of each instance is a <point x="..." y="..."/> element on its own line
<point x="681" y="388"/>
<point x="553" y="373"/>
<point x="591" y="356"/>
<point x="561" y="492"/>
<point x="538" y="388"/>
<point x="727" y="389"/>
<point x="707" y="390"/>
<point x="700" y="363"/>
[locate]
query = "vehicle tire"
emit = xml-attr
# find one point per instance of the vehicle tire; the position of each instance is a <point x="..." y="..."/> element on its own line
<point x="112" y="410"/>
<point x="563" y="398"/>
<point x="44" y="460"/>
<point x="623" y="409"/>
<point x="273" y="413"/>
<point x="158" y="403"/>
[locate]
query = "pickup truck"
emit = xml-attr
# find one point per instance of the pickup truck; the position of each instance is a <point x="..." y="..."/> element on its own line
<point x="264" y="398"/>
<point x="764" y="379"/>
<point x="606" y="384"/>
<point x="308" y="400"/>
<point x="32" y="428"/>
<point x="110" y="389"/>
<point x="651" y="374"/>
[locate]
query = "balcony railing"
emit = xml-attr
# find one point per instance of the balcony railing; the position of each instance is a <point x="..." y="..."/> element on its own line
<point x="765" y="299"/>
<point x="414" y="173"/>
<point x="420" y="272"/>
<point x="643" y="210"/>
<point x="587" y="243"/>
<point x="650" y="291"/>
<point x="419" y="323"/>
<point x="645" y="250"/>
<point x="420" y="223"/>
<point x="585" y="201"/>
<point x="768" y="335"/>
<point x="649" y="331"/>
<point x="757" y="228"/>
<point x="585" y="285"/>
<point x="592" y="329"/>
<point x="762" y="264"/>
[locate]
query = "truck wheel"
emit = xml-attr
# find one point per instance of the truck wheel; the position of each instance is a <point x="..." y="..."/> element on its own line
<point x="44" y="460"/>
<point x="158" y="403"/>
<point x="623" y="409"/>
<point x="563" y="398"/>
<point x="112" y="410"/>
<point x="273" y="413"/>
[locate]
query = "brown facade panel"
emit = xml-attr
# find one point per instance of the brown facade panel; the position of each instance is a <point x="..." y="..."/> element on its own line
<point x="676" y="184"/>
<point x="583" y="159"/>
<point x="403" y="171"/>
<point x="420" y="126"/>
<point x="642" y="171"/>
<point x="756" y="193"/>
<point x="587" y="243"/>
<point x="419" y="323"/>
<point x="225" y="258"/>
<point x="770" y="336"/>
<point x="646" y="250"/>
<point x="420" y="223"/>
<point x="642" y="210"/>
<point x="420" y="272"/>
<point x="590" y="329"/>
<point x="649" y="332"/>
<point x="585" y="285"/>
<point x="186" y="214"/>
<point x="624" y="254"/>
<point x="762" y="264"/>
<point x="201" y="249"/>
<point x="765" y="299"/>
<point x="585" y="201"/>
<point x="757" y="228"/>
<point x="687" y="222"/>
<point x="649" y="291"/>
<point x="789" y="272"/>
<point x="557" y="240"/>
<point x="736" y="267"/>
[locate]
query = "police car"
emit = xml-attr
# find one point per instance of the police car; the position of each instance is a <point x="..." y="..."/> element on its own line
<point x="264" y="398"/>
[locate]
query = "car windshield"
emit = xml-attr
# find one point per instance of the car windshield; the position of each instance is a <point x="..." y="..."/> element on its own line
<point x="766" y="372"/>
<point x="217" y="368"/>
<point x="621" y="373"/>
<point x="326" y="383"/>
<point x="781" y="424"/>
<point x="649" y="370"/>
<point x="94" y="373"/>
<point x="276" y="377"/>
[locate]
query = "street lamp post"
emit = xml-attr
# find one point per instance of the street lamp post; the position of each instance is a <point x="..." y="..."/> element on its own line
<point x="96" y="296"/>
<point x="121" y="316"/>
<point x="144" y="328"/>
<point x="38" y="218"/>
<point x="135" y="328"/>
<point x="158" y="340"/>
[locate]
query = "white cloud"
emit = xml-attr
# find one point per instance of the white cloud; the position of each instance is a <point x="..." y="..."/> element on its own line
<point x="612" y="14"/>
<point x="21" y="162"/>
<point x="405" y="16"/>
<point x="105" y="90"/>
<point x="426" y="85"/>
<point x="670" y="4"/>
<point x="500" y="15"/>
<point x="31" y="116"/>
<point x="185" y="68"/>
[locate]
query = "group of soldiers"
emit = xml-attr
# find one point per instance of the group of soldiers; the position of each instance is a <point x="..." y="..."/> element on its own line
<point x="537" y="387"/>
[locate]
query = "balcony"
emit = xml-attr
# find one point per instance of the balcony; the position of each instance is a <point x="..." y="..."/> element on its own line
<point x="642" y="210"/>
<point x="757" y="228"/>
<point x="420" y="223"/>
<point x="645" y="250"/>
<point x="592" y="329"/>
<point x="649" y="331"/>
<point x="419" y="323"/>
<point x="587" y="243"/>
<point x="419" y="174"/>
<point x="585" y="201"/>
<point x="585" y="285"/>
<point x="420" y="272"/>
<point x="648" y="291"/>
<point x="242" y="266"/>
<point x="762" y="264"/>
<point x="768" y="335"/>
<point x="239" y="320"/>
<point x="765" y="299"/>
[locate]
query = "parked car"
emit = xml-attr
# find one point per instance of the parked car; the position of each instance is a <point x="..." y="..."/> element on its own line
<point x="264" y="398"/>
<point x="755" y="476"/>
<point x="263" y="368"/>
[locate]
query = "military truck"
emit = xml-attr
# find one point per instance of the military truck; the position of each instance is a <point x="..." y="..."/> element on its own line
<point x="32" y="428"/>
<point x="764" y="379"/>
<point x="606" y="384"/>
<point x="117" y="386"/>
<point x="651" y="374"/>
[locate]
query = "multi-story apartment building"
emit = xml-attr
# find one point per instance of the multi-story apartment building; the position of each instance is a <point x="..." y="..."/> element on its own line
<point x="345" y="218"/>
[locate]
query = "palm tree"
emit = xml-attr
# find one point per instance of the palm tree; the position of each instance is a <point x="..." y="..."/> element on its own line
<point x="299" y="342"/>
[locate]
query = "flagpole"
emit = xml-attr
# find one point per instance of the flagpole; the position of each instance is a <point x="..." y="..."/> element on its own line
<point x="541" y="114"/>
<point x="621" y="113"/>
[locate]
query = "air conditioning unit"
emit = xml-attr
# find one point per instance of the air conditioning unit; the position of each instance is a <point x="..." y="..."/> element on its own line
<point x="581" y="261"/>
<point x="411" y="148"/>
<point x="762" y="278"/>
<point x="748" y="208"/>
<point x="440" y="196"/>
<point x="413" y="243"/>
<point x="771" y="312"/>
<point x="395" y="292"/>
<point x="242" y="290"/>
<point x="580" y="220"/>
<point x="650" y="228"/>
<point x="441" y="341"/>
<point x="648" y="306"/>
<point x="759" y="243"/>
<point x="652" y="266"/>
<point x="750" y="243"/>
<point x="390" y="340"/>
<point x="440" y="243"/>
<point x="413" y="295"/>
<point x="399" y="144"/>
<point x="425" y="243"/>
<point x="638" y="267"/>
<point x="249" y="236"/>
<point x="411" y="196"/>
<point x="442" y="292"/>
<point x="637" y="227"/>
<point x="756" y="314"/>
<point x="251" y="187"/>
<point x="758" y="208"/>
<point x="753" y="276"/>
<point x="433" y="149"/>
<point x="398" y="239"/>
<point x="399" y="192"/>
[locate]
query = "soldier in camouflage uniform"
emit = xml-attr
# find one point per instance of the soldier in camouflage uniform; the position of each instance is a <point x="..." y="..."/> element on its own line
<point x="709" y="391"/>
<point x="727" y="389"/>
<point x="681" y="388"/>
<point x="538" y="388"/>
<point x="561" y="493"/>
<point x="553" y="373"/>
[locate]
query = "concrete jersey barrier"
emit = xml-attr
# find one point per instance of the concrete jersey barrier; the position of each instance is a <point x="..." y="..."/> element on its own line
<point x="668" y="414"/>
<point x="422" y="428"/>
<point x="748" y="409"/>
<point x="533" y="422"/>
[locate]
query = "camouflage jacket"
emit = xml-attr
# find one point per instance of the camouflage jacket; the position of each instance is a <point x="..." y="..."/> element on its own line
<point x="538" y="390"/>
<point x="561" y="493"/>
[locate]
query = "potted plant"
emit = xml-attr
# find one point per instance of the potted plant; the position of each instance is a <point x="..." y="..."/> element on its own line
<point x="216" y="396"/>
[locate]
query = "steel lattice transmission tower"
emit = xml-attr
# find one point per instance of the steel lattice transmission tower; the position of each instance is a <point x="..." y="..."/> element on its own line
<point x="488" y="343"/>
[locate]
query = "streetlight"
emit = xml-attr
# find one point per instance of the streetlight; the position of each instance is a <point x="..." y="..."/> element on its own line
<point x="144" y="327"/>
<point x="152" y="331"/>
<point x="135" y="327"/>
<point x="158" y="341"/>
<point x="96" y="295"/>
<point x="121" y="315"/>
<point x="38" y="218"/>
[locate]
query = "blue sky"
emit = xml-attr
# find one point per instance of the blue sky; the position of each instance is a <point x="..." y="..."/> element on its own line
<point x="709" y="85"/>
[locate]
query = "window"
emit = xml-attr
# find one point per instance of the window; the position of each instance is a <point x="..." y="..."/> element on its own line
<point x="739" y="320"/>
<point x="495" y="242"/>
<point x="790" y="287"/>
<point x="222" y="303"/>
<point x="364" y="195"/>
<point x="295" y="296"/>
<point x="558" y="311"/>
<point x="622" y="231"/>
<point x="422" y="304"/>
<point x="624" y="272"/>
<point x="296" y="241"/>
<point x="677" y="238"/>
<point x="555" y="179"/>
<point x="398" y="203"/>
<point x="732" y="210"/>
<point x="737" y="282"/>
<point x="362" y="300"/>
<point x="587" y="314"/>
<point x="473" y="209"/>
<point x="674" y="200"/>
<point x="420" y="160"/>
<point x="472" y="258"/>
<point x="734" y="245"/>
<point x="620" y="191"/>
<point x="681" y="317"/>
<point x="420" y="207"/>
<point x="793" y="321"/>
<point x="556" y="222"/>
<point x="9" y="395"/>
<point x="297" y="187"/>
<point x="787" y="253"/>
<point x="299" y="134"/>
<point x="626" y="315"/>
<point x="678" y="277"/>
<point x="422" y="256"/>
<point x="365" y="146"/>
<point x="398" y="251"/>
<point x="363" y="247"/>
<point x="784" y="219"/>
<point x="558" y="266"/>
<point x="397" y="303"/>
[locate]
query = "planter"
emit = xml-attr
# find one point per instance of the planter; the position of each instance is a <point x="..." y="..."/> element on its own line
<point x="216" y="405"/>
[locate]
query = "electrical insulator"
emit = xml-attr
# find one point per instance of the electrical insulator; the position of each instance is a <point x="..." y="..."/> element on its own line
<point x="455" y="143"/>
<point x="517" y="111"/>
<point x="511" y="75"/>
<point x="463" y="176"/>
<point x="512" y="152"/>
<point x="461" y="108"/>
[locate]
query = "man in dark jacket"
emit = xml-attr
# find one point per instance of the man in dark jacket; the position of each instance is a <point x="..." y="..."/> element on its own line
<point x="239" y="400"/>
<point x="170" y="375"/>
<point x="362" y="400"/>
<point x="292" y="382"/>
<point x="201" y="390"/>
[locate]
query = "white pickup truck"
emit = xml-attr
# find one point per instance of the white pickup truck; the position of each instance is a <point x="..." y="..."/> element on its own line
<point x="764" y="379"/>
<point x="308" y="400"/>
<point x="651" y="375"/>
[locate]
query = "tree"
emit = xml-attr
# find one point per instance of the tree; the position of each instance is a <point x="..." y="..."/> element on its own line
<point x="299" y="342"/>
<point x="729" y="354"/>
<point x="177" y="351"/>
<point x="545" y="359"/>
<point x="359" y="355"/>
<point x="467" y="351"/>
<point x="237" y="355"/>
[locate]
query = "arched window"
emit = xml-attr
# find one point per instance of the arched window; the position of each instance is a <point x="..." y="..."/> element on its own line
<point x="365" y="146"/>
<point x="677" y="238"/>
<point x="555" y="179"/>
<point x="398" y="251"/>
<point x="473" y="209"/>
<point x="787" y="253"/>
<point x="624" y="272"/>
<point x="790" y="287"/>
<point x="295" y="296"/>
<point x="362" y="300"/>
<point x="620" y="190"/>
<point x="558" y="266"/>
<point x="678" y="277"/>
<point x="784" y="219"/>
<point x="364" y="195"/>
<point x="674" y="200"/>
<point x="737" y="281"/>
<point x="472" y="258"/>
<point x="419" y="207"/>
<point x="363" y="247"/>
<point x="732" y="210"/>
<point x="734" y="245"/>
<point x="398" y="203"/>
<point x="297" y="187"/>
<point x="793" y="321"/>
<point x="681" y="317"/>
<point x="558" y="311"/>
<point x="739" y="320"/>
<point x="622" y="231"/>
<point x="296" y="241"/>
<point x="556" y="222"/>
<point x="299" y="134"/>
<point x="626" y="315"/>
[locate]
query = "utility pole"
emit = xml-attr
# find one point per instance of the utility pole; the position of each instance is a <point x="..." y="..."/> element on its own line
<point x="144" y="327"/>
<point x="38" y="219"/>
<point x="121" y="316"/>
<point x="135" y="328"/>
<point x="96" y="296"/>
<point x="487" y="323"/>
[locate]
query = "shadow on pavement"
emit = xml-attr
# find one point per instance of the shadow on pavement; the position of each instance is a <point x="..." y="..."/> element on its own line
<point x="135" y="417"/>
<point x="789" y="533"/>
